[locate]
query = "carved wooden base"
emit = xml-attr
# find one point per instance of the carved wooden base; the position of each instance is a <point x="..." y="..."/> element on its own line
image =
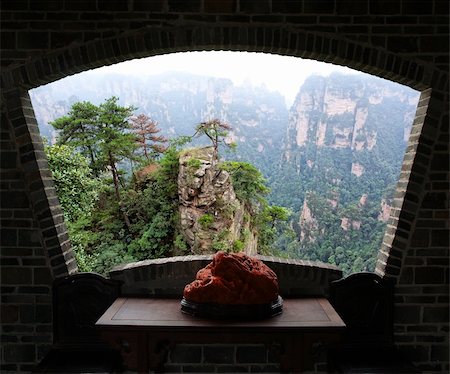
<point x="234" y="312"/>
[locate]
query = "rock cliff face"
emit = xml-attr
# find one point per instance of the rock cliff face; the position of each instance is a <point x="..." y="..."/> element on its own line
<point x="385" y="210"/>
<point x="211" y="216"/>
<point x="308" y="223"/>
<point x="337" y="113"/>
<point x="343" y="150"/>
<point x="340" y="131"/>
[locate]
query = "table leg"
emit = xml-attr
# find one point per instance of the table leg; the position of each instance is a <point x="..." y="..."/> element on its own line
<point x="158" y="349"/>
<point x="132" y="347"/>
<point x="292" y="357"/>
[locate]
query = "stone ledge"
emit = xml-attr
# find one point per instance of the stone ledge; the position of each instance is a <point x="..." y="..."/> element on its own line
<point x="166" y="277"/>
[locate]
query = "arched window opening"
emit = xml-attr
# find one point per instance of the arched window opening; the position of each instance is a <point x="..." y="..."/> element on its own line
<point x="136" y="182"/>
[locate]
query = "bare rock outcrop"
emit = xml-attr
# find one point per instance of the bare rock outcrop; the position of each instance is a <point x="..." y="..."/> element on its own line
<point x="307" y="223"/>
<point x="211" y="216"/>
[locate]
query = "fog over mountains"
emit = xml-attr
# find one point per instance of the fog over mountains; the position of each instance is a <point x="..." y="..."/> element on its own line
<point x="333" y="157"/>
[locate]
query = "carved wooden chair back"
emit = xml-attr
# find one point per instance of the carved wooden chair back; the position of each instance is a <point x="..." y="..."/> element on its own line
<point x="365" y="303"/>
<point x="78" y="302"/>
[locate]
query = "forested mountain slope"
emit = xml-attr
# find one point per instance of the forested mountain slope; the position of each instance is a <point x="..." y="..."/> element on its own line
<point x="342" y="155"/>
<point x="333" y="158"/>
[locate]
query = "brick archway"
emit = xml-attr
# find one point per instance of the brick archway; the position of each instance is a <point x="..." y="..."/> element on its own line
<point x="149" y="41"/>
<point x="153" y="41"/>
<point x="402" y="40"/>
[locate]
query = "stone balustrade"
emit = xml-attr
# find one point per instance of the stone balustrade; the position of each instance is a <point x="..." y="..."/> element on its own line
<point x="166" y="277"/>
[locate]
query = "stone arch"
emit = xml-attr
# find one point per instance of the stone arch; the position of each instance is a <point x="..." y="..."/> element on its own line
<point x="154" y="41"/>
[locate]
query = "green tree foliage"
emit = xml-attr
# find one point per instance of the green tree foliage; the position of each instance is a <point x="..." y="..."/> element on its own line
<point x="79" y="128"/>
<point x="251" y="189"/>
<point x="79" y="194"/>
<point x="77" y="190"/>
<point x="102" y="134"/>
<point x="153" y="210"/>
<point x="274" y="214"/>
<point x="150" y="204"/>
<point x="116" y="144"/>
<point x="248" y="182"/>
<point x="216" y="131"/>
<point x="272" y="222"/>
<point x="206" y="220"/>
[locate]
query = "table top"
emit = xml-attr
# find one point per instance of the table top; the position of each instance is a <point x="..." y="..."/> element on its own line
<point x="156" y="314"/>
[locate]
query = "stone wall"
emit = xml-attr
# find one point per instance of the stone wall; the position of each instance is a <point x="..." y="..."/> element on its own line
<point x="401" y="40"/>
<point x="166" y="277"/>
<point x="27" y="241"/>
<point x="415" y="249"/>
<point x="410" y="28"/>
<point x="223" y="358"/>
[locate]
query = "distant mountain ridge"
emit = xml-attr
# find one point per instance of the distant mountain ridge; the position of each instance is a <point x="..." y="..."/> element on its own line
<point x="177" y="101"/>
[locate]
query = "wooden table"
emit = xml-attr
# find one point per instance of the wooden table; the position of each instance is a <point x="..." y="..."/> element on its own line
<point x="143" y="328"/>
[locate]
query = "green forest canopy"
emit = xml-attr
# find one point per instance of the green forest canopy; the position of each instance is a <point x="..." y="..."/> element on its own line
<point x="348" y="211"/>
<point x="120" y="201"/>
<point x="128" y="208"/>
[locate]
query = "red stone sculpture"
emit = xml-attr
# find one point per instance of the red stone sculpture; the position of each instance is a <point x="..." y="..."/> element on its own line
<point x="233" y="279"/>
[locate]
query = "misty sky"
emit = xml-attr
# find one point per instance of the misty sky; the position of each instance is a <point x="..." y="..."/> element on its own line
<point x="279" y="73"/>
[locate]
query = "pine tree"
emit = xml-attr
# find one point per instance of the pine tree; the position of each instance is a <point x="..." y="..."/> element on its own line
<point x="78" y="129"/>
<point x="216" y="131"/>
<point x="116" y="143"/>
<point x="146" y="130"/>
<point x="104" y="135"/>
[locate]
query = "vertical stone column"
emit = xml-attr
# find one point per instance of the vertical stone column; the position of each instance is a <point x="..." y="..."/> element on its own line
<point x="34" y="242"/>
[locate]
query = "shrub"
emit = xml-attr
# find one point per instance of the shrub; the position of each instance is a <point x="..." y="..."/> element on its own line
<point x="238" y="246"/>
<point x="194" y="163"/>
<point x="180" y="243"/>
<point x="206" y="220"/>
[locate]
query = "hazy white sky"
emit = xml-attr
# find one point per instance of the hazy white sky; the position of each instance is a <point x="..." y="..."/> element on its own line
<point x="280" y="73"/>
